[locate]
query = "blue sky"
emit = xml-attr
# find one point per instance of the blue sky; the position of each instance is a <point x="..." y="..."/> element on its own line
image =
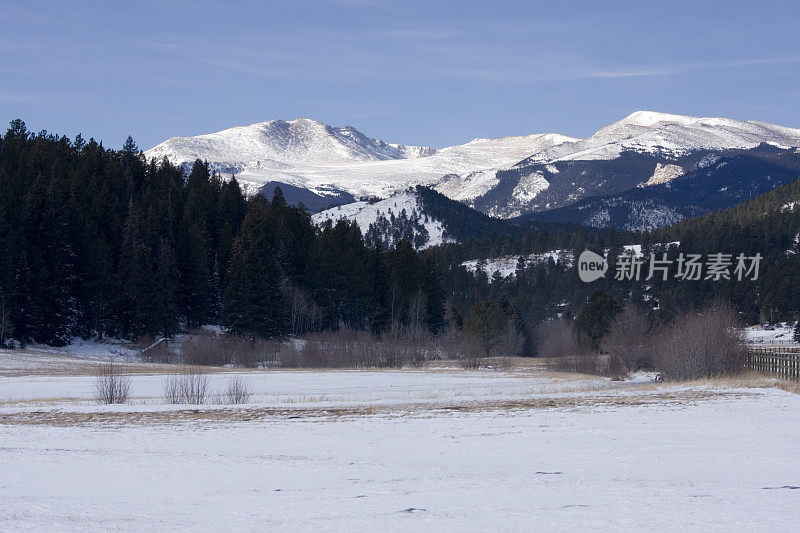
<point x="430" y="73"/>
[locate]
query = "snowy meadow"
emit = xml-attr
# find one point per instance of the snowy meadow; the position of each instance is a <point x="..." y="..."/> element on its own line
<point x="431" y="449"/>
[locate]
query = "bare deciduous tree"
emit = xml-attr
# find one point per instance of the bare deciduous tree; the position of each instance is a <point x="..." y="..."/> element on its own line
<point x="555" y="338"/>
<point x="626" y="339"/>
<point x="508" y="344"/>
<point x="700" y="345"/>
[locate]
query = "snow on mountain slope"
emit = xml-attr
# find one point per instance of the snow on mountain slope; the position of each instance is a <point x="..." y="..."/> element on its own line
<point x="488" y="155"/>
<point x="673" y="135"/>
<point x="311" y="155"/>
<point x="308" y="154"/>
<point x="300" y="140"/>
<point x="504" y="177"/>
<point x="507" y="265"/>
<point x="663" y="174"/>
<point x="398" y="217"/>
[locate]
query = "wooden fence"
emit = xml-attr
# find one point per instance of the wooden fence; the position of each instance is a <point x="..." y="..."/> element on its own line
<point x="780" y="362"/>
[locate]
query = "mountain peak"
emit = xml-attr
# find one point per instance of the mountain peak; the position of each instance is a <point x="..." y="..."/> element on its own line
<point x="650" y="118"/>
<point x="278" y="142"/>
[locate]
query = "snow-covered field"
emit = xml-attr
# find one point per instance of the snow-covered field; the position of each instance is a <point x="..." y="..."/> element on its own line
<point x="779" y="334"/>
<point x="437" y="449"/>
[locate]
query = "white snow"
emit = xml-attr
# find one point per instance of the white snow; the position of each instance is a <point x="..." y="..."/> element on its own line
<point x="400" y="451"/>
<point x="507" y="265"/>
<point x="308" y="154"/>
<point x="321" y="158"/>
<point x="672" y="135"/>
<point x="664" y="174"/>
<point x="529" y="187"/>
<point x="782" y="333"/>
<point x="464" y="188"/>
<point x="366" y="214"/>
<point x="633" y="249"/>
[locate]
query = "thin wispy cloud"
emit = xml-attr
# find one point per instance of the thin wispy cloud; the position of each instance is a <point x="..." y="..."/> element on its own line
<point x="22" y="98"/>
<point x="452" y="70"/>
<point x="548" y="71"/>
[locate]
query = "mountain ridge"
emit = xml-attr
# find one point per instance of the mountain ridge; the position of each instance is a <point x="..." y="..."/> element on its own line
<point x="507" y="177"/>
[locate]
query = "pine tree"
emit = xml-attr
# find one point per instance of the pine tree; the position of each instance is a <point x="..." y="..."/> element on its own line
<point x="379" y="295"/>
<point x="147" y="316"/>
<point x="485" y="322"/>
<point x="51" y="313"/>
<point x="99" y="285"/>
<point x="167" y="284"/>
<point x="197" y="293"/>
<point x="434" y="295"/>
<point x="231" y="207"/>
<point x="596" y="316"/>
<point x="253" y="300"/>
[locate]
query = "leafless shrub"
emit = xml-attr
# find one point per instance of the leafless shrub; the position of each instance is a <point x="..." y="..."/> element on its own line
<point x="555" y="338"/>
<point x="586" y="362"/>
<point x="156" y="350"/>
<point x="204" y="348"/>
<point x="254" y="352"/>
<point x="470" y="362"/>
<point x="509" y="344"/>
<point x="396" y="350"/>
<point x="700" y="345"/>
<point x="196" y="388"/>
<point x="472" y="354"/>
<point x="208" y="349"/>
<point x="349" y="348"/>
<point x="500" y="364"/>
<point x="626" y="340"/>
<point x="110" y="386"/>
<point x="449" y="344"/>
<point x="191" y="387"/>
<point x="408" y="345"/>
<point x="172" y="390"/>
<point x="304" y="315"/>
<point x="332" y="349"/>
<point x="238" y="391"/>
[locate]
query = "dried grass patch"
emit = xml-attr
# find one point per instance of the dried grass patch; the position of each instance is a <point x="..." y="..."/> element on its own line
<point x="218" y="415"/>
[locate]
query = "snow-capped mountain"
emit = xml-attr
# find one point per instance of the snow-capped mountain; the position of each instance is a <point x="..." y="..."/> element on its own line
<point x="330" y="160"/>
<point x="508" y="177"/>
<point x="697" y="183"/>
<point x="668" y="135"/>
<point x="297" y="141"/>
<point x="643" y="150"/>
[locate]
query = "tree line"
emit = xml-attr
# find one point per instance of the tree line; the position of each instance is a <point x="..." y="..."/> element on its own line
<point x="96" y="242"/>
<point x="768" y="225"/>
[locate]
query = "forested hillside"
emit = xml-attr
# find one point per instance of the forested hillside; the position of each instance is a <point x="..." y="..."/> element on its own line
<point x="95" y="241"/>
<point x="768" y="225"/>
